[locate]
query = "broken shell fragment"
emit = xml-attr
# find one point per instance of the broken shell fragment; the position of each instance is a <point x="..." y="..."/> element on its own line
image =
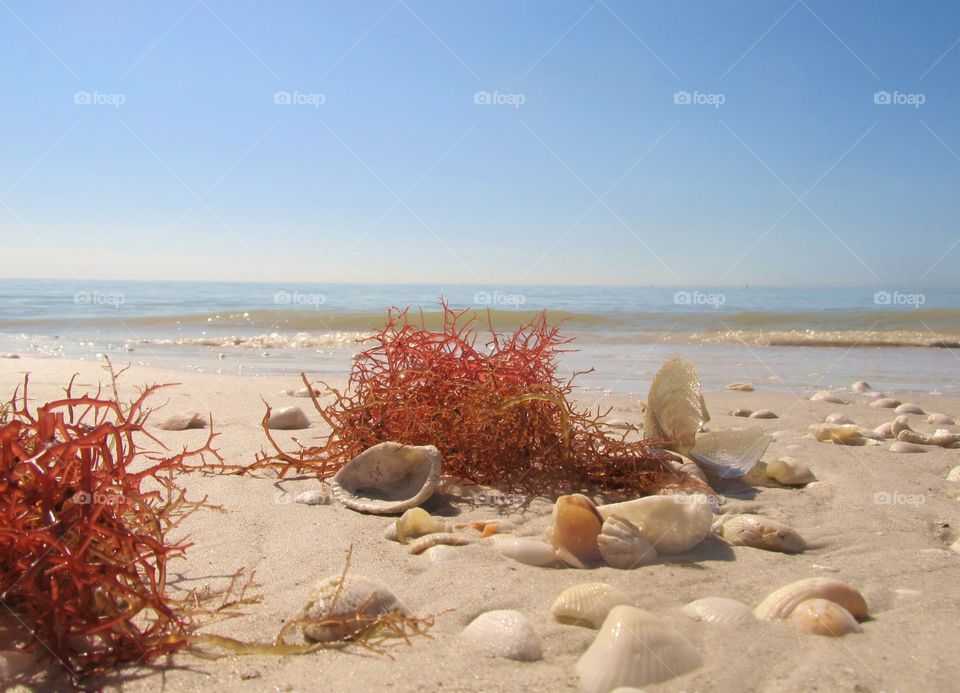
<point x="335" y="612"/>
<point x="587" y="604"/>
<point x="719" y="610"/>
<point x="622" y="545"/>
<point x="527" y="551"/>
<point x="183" y="421"/>
<point x="759" y="532"/>
<point x="671" y="523"/>
<point x="288" y="419"/>
<point x="789" y="472"/>
<point x="675" y="408"/>
<point x="418" y="546"/>
<point x="504" y="633"/>
<point x="823" y="617"/>
<point x="388" y="478"/>
<point x="576" y="526"/>
<point x="781" y="602"/>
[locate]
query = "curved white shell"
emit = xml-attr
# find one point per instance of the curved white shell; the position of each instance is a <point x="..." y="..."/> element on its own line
<point x="416" y="522"/>
<point x="781" y="602"/>
<point x="731" y="454"/>
<point x="675" y="409"/>
<point x="828" y="396"/>
<point x="719" y="610"/>
<point x="823" y="617"/>
<point x="909" y="408"/>
<point x="671" y="523"/>
<point x="525" y="550"/>
<point x="359" y="596"/>
<point x="789" y="472"/>
<point x="622" y="545"/>
<point x="288" y="419"/>
<point x="504" y="633"/>
<point x="901" y="446"/>
<point x="388" y="478"/>
<point x="427" y="541"/>
<point x="182" y="421"/>
<point x="587" y="603"/>
<point x="576" y="526"/>
<point x="861" y="386"/>
<point x="760" y="533"/>
<point x="839" y="419"/>
<point x="442" y="552"/>
<point x="885" y="403"/>
<point x="634" y="648"/>
<point x="937" y="419"/>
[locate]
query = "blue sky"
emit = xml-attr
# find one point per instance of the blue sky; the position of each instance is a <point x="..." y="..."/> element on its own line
<point x="154" y="141"/>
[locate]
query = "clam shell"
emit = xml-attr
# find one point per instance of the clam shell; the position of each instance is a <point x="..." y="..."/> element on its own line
<point x="675" y="409"/>
<point x="789" y="472"/>
<point x="288" y="419"/>
<point x="763" y="414"/>
<point x="720" y="610"/>
<point x="839" y="419"/>
<point x="781" y="602"/>
<point x="527" y="551"/>
<point x="885" y="403"/>
<point x="622" y="545"/>
<point x="742" y="411"/>
<point x="760" y="533"/>
<point x="427" y="541"/>
<point x="634" y="648"/>
<point x="587" y="604"/>
<point x="335" y="610"/>
<point x="937" y="419"/>
<point x="576" y="526"/>
<point x="823" y="617"/>
<point x="741" y="387"/>
<point x="861" y="386"/>
<point x="909" y="408"/>
<point x="388" y="478"/>
<point x="900" y="446"/>
<point x="504" y="633"/>
<point x="416" y="522"/>
<point x="828" y="396"/>
<point x="182" y="421"/>
<point x="671" y="523"/>
<point x="731" y="454"/>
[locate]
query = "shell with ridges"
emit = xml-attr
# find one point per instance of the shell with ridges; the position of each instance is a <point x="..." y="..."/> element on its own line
<point x="622" y="545"/>
<point x="942" y="438"/>
<point x="781" y="602"/>
<point x="731" y="454"/>
<point x="576" y="526"/>
<point x="587" y="604"/>
<point x="420" y="545"/>
<point x="760" y="532"/>
<point x="720" y="610"/>
<point x="823" y="617"/>
<point x="183" y="421"/>
<point x="334" y="609"/>
<point x="671" y="523"/>
<point x="388" y="478"/>
<point x="504" y="633"/>
<point x="675" y="409"/>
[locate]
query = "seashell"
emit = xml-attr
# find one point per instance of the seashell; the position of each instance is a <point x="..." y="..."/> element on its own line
<point x="940" y="420"/>
<point x="622" y="545"/>
<point x="789" y="472"/>
<point x="183" y="420"/>
<point x="909" y="408"/>
<point x="11" y="356"/>
<point x="504" y="633"/>
<point x="839" y="419"/>
<point x="861" y="386"/>
<point x="14" y="664"/>
<point x="418" y="546"/>
<point x="634" y="648"/>
<point x="576" y="526"/>
<point x="763" y="414"/>
<point x="313" y="497"/>
<point x="900" y="423"/>
<point x="955" y="546"/>
<point x="388" y="478"/>
<point x="731" y="454"/>
<point x="675" y="408"/>
<point x="742" y="411"/>
<point x="828" y="396"/>
<point x="693" y="469"/>
<point x="720" y="610"/>
<point x="885" y="403"/>
<point x="900" y="446"/>
<point x="587" y="604"/>
<point x="838" y="434"/>
<point x="823" y="617"/>
<point x="954" y="474"/>
<point x="760" y="533"/>
<point x="304" y="392"/>
<point x="288" y="419"/>
<point x="884" y="431"/>
<point x="671" y="523"/>
<point x="442" y="552"/>
<point x="336" y="611"/>
<point x="781" y="602"/>
<point x="741" y="387"/>
<point x="416" y="522"/>
<point x="942" y="438"/>
<point x="527" y="551"/>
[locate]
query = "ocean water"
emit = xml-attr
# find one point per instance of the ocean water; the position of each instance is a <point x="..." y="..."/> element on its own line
<point x="782" y="339"/>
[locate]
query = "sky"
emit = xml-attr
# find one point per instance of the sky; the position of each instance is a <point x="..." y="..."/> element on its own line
<point x="774" y="143"/>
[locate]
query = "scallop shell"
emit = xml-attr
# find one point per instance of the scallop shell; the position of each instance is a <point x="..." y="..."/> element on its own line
<point x="741" y="387"/>
<point x="760" y="533"/>
<point x="388" y="478"/>
<point x="828" y="396"/>
<point x="909" y="408"/>
<point x="622" y="545"/>
<point x="900" y="446"/>
<point x="720" y="610"/>
<point x="288" y="419"/>
<point x="823" y="617"/>
<point x="838" y="434"/>
<point x="527" y="551"/>
<point x="731" y="454"/>
<point x="937" y="419"/>
<point x="587" y="604"/>
<point x="675" y="408"/>
<point x="789" y="472"/>
<point x="420" y="545"/>
<point x="671" y="523"/>
<point x="763" y="414"/>
<point x="861" y="386"/>
<point x="182" y="421"/>
<point x="335" y="611"/>
<point x="885" y="403"/>
<point x="576" y="526"/>
<point x="839" y="419"/>
<point x="781" y="602"/>
<point x="504" y="633"/>
<point x="634" y="648"/>
<point x="416" y="522"/>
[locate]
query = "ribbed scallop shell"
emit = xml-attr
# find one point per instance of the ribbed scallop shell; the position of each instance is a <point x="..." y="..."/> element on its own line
<point x="388" y="478"/>
<point x="504" y="633"/>
<point x="183" y="420"/>
<point x="731" y="454"/>
<point x="760" y="533"/>
<point x="331" y="608"/>
<point x="823" y="617"/>
<point x="672" y="523"/>
<point x="622" y="545"/>
<point x="587" y="604"/>
<point x="719" y="610"/>
<point x="527" y="551"/>
<point x="781" y="602"/>
<point x="675" y="409"/>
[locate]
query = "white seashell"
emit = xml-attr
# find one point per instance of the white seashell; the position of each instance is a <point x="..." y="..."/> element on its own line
<point x="622" y="545"/>
<point x="527" y="551"/>
<point x="839" y="419"/>
<point x="899" y="423"/>
<point x="504" y="633"/>
<point x="781" y="602"/>
<point x="442" y="552"/>
<point x="954" y="474"/>
<point x="789" y="472"/>
<point x="823" y="617"/>
<point x="359" y="597"/>
<point x="940" y="420"/>
<point x="634" y="648"/>
<point x="720" y="610"/>
<point x="675" y="408"/>
<point x="420" y="545"/>
<point x="288" y="419"/>
<point x="587" y="604"/>
<point x="13" y="665"/>
<point x="861" y="386"/>
<point x="828" y="396"/>
<point x="416" y="522"/>
<point x="884" y="431"/>
<point x="731" y="454"/>
<point x="763" y="414"/>
<point x="576" y="526"/>
<point x="909" y="408"/>
<point x="885" y="403"/>
<point x="900" y="446"/>
<point x="183" y="420"/>
<point x="313" y="497"/>
<point x="671" y="523"/>
<point x="761" y="533"/>
<point x="741" y="387"/>
<point x="388" y="478"/>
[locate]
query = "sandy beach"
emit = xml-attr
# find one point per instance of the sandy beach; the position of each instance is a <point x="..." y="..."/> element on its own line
<point x="880" y="521"/>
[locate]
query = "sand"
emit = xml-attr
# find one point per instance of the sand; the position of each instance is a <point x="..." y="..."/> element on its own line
<point x="897" y="553"/>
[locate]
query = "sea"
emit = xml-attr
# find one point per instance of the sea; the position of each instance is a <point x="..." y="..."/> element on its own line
<point x="780" y="339"/>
